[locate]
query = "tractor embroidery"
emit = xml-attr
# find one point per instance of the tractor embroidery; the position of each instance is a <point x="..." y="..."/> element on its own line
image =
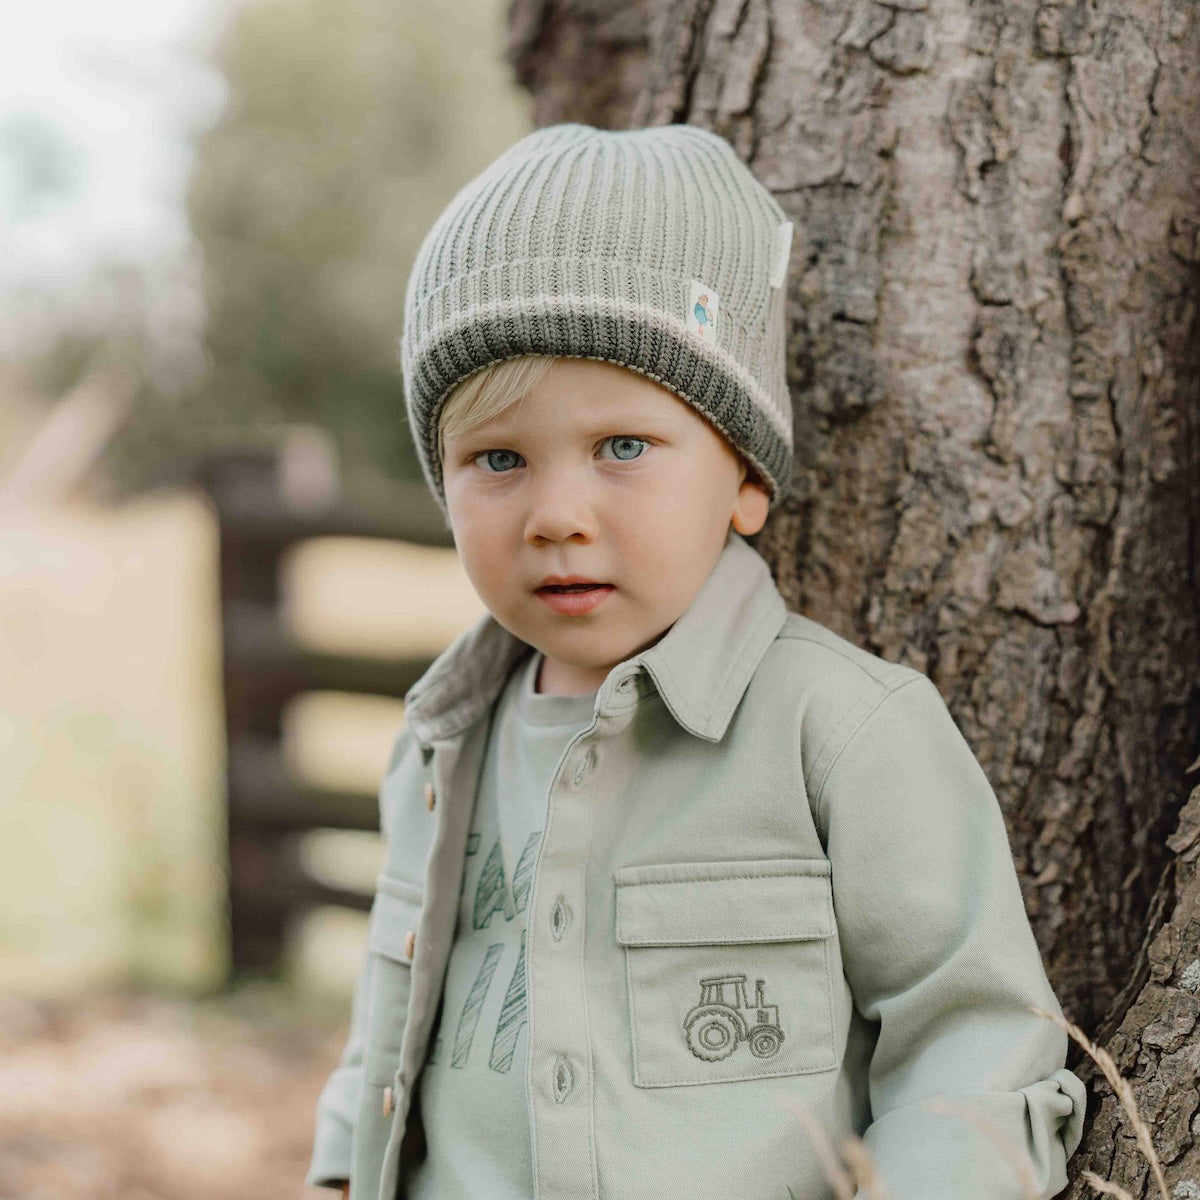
<point x="715" y="1026"/>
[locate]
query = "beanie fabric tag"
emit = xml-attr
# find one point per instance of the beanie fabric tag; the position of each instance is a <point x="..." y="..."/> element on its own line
<point x="704" y="307"/>
<point x="783" y="251"/>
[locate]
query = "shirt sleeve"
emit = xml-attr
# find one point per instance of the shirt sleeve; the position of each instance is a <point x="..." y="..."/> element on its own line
<point x="938" y="951"/>
<point x="337" y="1105"/>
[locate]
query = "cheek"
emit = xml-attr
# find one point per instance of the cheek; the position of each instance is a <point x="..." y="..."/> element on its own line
<point x="491" y="577"/>
<point x="469" y="512"/>
<point x="483" y="558"/>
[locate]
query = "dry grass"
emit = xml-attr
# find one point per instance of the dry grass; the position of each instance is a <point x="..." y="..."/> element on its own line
<point x="851" y="1166"/>
<point x="1124" y="1093"/>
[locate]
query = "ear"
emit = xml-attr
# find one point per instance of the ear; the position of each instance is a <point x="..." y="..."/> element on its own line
<point x="752" y="503"/>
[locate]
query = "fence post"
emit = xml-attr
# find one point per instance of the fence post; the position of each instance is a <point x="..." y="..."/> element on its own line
<point x="248" y="480"/>
<point x="267" y="500"/>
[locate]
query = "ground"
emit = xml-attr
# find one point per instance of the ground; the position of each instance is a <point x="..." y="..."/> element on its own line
<point x="120" y="1096"/>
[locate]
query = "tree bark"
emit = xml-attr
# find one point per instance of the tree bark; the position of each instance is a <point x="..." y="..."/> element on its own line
<point x="994" y="359"/>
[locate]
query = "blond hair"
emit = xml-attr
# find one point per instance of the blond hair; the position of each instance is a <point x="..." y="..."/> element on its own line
<point x="489" y="392"/>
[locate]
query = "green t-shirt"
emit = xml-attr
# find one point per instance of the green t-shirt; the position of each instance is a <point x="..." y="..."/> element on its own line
<point x="472" y="1090"/>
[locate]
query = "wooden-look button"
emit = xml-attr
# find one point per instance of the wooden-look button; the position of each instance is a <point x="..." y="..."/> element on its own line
<point x="410" y="943"/>
<point x="429" y="796"/>
<point x="387" y="1102"/>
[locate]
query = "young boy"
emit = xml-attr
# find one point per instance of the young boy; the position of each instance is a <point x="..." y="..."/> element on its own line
<point x="665" y="862"/>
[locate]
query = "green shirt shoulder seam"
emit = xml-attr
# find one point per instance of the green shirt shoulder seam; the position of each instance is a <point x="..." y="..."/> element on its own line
<point x="864" y="707"/>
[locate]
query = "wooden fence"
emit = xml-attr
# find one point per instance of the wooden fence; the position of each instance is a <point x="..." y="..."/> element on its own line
<point x="259" y="520"/>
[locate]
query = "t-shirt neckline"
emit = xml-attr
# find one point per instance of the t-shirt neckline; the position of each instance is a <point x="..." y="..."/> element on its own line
<point x="540" y="708"/>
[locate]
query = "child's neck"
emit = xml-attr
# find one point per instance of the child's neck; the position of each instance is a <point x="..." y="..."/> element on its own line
<point x="551" y="680"/>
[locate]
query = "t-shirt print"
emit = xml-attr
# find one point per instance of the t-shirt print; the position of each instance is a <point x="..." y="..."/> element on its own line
<point x="493" y="894"/>
<point x="472" y="1086"/>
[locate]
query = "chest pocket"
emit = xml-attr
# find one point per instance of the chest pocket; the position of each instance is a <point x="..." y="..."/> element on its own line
<point x="395" y="911"/>
<point x="728" y="969"/>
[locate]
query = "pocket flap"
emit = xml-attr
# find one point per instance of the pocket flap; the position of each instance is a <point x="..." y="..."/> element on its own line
<point x="395" y="910"/>
<point x="691" y="904"/>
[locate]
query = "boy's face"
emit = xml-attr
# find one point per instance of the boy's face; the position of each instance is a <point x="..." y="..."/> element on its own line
<point x="601" y="473"/>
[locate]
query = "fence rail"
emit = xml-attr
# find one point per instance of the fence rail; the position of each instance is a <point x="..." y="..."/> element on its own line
<point x="264" y="669"/>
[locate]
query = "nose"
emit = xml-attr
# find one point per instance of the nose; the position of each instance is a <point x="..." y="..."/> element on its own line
<point x="560" y="506"/>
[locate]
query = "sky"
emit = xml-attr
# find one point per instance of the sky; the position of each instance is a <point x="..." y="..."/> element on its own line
<point x="100" y="104"/>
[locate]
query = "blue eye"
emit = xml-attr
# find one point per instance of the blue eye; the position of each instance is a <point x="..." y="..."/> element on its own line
<point x="488" y="453"/>
<point x="627" y="438"/>
<point x="619" y="439"/>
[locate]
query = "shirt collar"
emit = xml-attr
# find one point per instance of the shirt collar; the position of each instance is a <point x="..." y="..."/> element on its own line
<point x="700" y="666"/>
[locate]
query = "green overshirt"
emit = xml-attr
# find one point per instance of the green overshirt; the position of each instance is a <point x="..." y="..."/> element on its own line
<point x="772" y="875"/>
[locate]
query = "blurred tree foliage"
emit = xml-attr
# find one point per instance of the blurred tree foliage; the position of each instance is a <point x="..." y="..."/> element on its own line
<point x="348" y="127"/>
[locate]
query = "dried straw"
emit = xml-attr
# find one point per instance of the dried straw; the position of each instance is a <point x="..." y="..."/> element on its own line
<point x="1124" y="1094"/>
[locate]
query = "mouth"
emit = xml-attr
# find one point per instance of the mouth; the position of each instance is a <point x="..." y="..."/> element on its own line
<point x="573" y="599"/>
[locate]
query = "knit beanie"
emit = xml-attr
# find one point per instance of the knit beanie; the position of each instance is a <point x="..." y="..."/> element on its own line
<point x="656" y="249"/>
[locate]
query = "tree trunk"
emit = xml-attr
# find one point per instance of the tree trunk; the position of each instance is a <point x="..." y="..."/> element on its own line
<point x="995" y="366"/>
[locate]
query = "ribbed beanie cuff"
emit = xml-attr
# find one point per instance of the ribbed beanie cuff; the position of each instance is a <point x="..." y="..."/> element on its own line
<point x="654" y="249"/>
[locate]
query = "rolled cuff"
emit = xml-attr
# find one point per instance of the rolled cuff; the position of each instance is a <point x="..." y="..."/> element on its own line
<point x="923" y="1155"/>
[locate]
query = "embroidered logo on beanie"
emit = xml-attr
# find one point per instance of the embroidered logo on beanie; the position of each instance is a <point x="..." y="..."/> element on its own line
<point x="704" y="305"/>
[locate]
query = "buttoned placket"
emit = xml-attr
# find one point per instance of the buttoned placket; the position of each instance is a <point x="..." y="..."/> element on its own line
<point x="559" y="1074"/>
<point x="559" y="1078"/>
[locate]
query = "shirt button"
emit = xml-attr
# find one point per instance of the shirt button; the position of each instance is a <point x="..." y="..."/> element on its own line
<point x="563" y="1080"/>
<point x="410" y="943"/>
<point x="388" y="1104"/>
<point x="560" y="918"/>
<point x="429" y="796"/>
